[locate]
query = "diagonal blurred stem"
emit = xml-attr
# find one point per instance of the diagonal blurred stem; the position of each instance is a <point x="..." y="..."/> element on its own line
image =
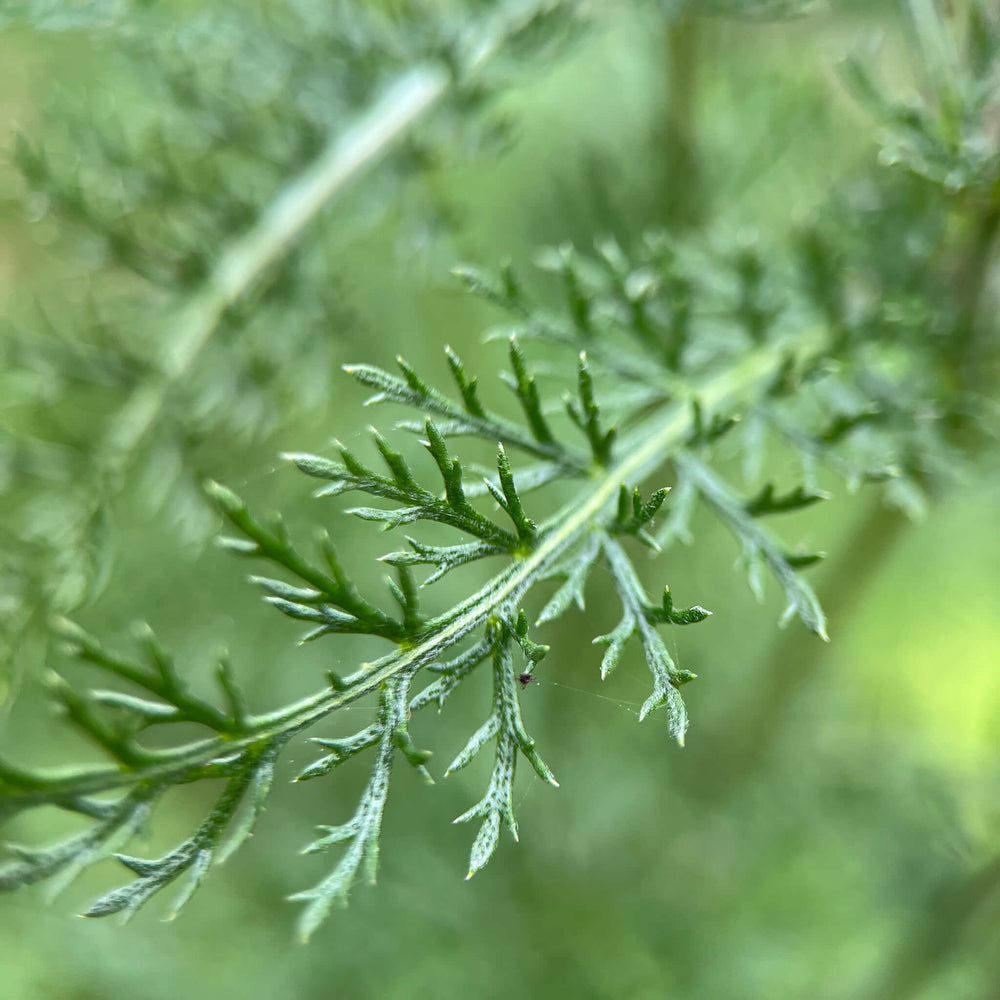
<point x="683" y="191"/>
<point x="936" y="934"/>
<point x="795" y="655"/>
<point x="971" y="280"/>
<point x="347" y="157"/>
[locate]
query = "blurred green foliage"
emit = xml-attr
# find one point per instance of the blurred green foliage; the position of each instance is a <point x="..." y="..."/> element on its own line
<point x="831" y="829"/>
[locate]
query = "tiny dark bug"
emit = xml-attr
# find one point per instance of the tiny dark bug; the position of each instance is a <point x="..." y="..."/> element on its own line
<point x="524" y="680"/>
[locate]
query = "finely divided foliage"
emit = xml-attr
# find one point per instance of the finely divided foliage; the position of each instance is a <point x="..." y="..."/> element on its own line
<point x="681" y="357"/>
<point x="606" y="517"/>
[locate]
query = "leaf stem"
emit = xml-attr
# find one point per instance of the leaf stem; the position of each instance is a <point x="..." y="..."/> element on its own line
<point x="645" y="450"/>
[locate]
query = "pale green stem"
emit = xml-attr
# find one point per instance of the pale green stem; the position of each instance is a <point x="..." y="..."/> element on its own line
<point x="347" y="157"/>
<point x="648" y="448"/>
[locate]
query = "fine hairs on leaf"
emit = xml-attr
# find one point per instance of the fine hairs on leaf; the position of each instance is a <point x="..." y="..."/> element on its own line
<point x="639" y="377"/>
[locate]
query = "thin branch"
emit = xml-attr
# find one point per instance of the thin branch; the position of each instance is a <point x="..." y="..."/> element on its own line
<point x="346" y="158"/>
<point x="646" y="449"/>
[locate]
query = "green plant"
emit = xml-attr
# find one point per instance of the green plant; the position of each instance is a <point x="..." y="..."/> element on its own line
<point x="677" y="356"/>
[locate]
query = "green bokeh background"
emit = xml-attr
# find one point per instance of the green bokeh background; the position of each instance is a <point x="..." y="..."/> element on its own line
<point x="832" y="828"/>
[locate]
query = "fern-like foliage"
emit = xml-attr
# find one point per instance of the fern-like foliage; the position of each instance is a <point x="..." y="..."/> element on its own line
<point x="204" y="227"/>
<point x="682" y="357"/>
<point x="695" y="383"/>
